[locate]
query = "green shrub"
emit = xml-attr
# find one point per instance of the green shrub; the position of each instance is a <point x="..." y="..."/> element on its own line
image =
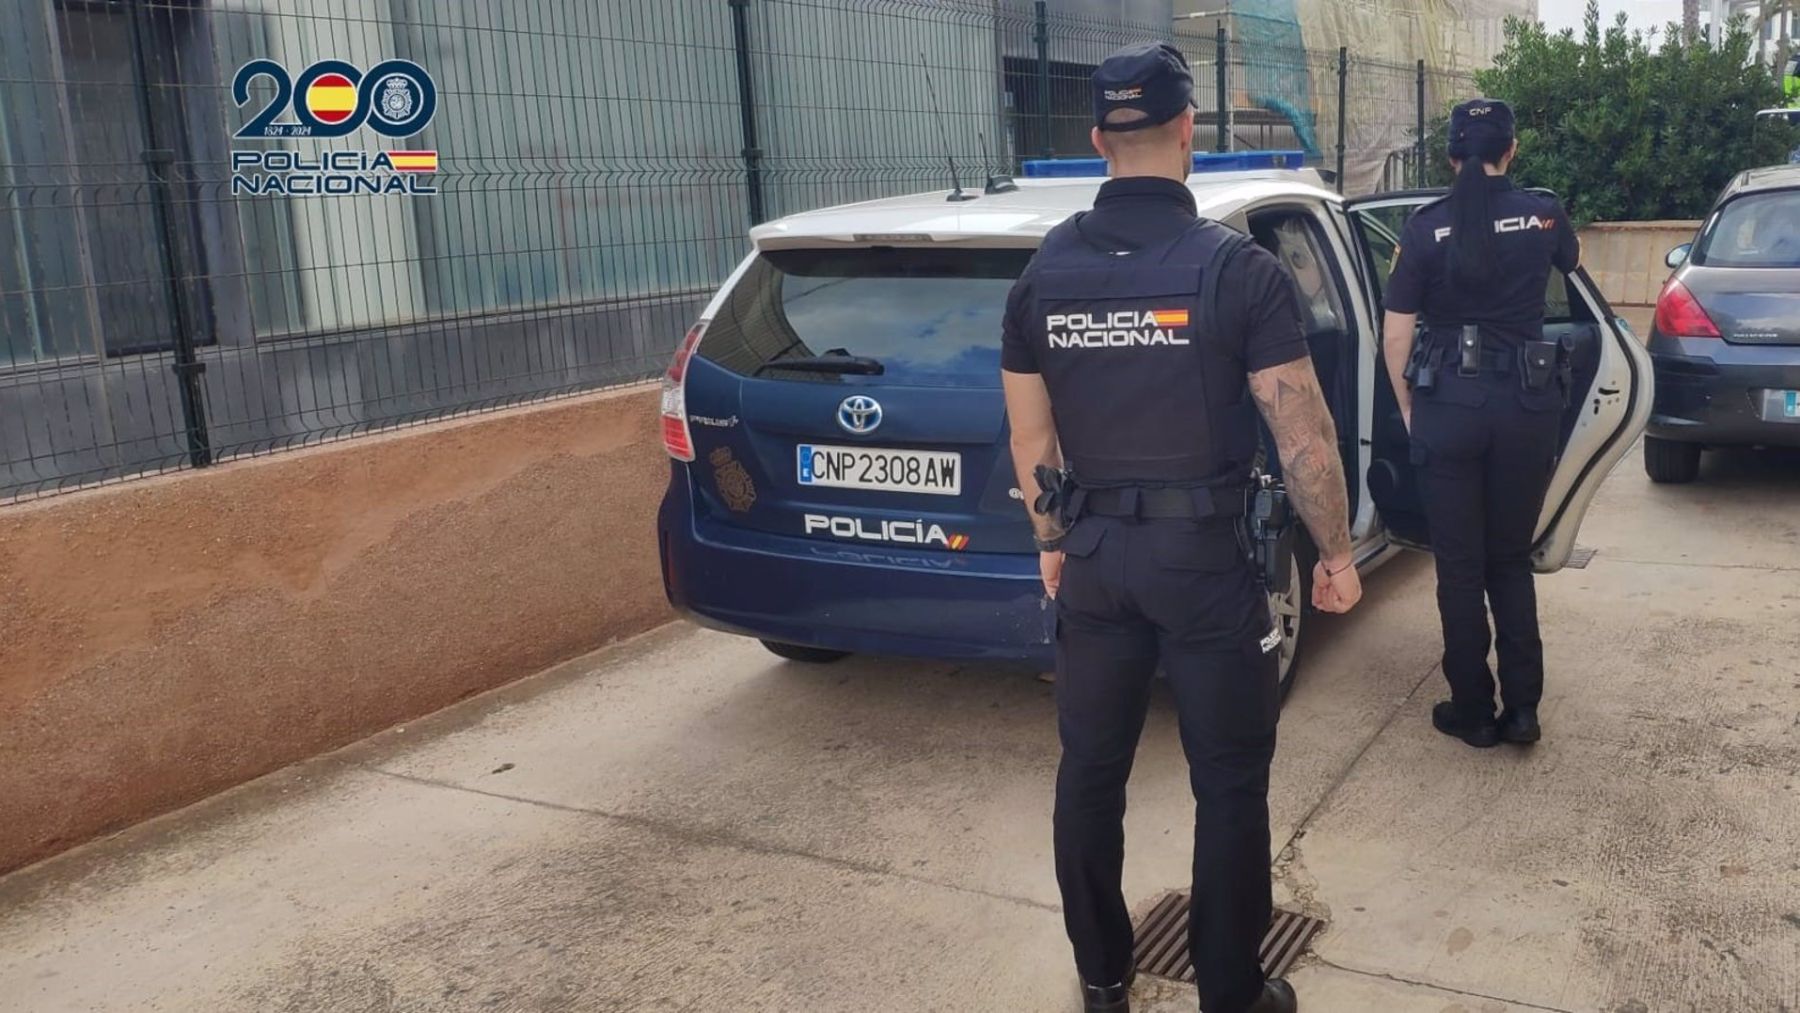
<point x="1627" y="132"/>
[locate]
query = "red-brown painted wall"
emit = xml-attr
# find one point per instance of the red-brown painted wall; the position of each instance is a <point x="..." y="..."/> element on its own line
<point x="163" y="639"/>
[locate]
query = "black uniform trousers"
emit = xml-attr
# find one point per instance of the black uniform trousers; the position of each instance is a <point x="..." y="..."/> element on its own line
<point x="1485" y="449"/>
<point x="1179" y="594"/>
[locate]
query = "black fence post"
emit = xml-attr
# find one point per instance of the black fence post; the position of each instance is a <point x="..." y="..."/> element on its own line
<point x="740" y="31"/>
<point x="157" y="162"/>
<point x="1042" y="37"/>
<point x="1419" y="155"/>
<point x="1343" y="109"/>
<point x="1224" y="103"/>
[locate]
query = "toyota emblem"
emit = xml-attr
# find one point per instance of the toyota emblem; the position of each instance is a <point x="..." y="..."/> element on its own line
<point x="859" y="414"/>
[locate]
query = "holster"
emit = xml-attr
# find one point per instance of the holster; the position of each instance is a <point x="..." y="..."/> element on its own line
<point x="1270" y="520"/>
<point x="1057" y="495"/>
<point x="1420" y="373"/>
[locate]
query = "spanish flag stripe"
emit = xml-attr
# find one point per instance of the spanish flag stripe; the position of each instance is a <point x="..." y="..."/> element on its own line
<point x="331" y="98"/>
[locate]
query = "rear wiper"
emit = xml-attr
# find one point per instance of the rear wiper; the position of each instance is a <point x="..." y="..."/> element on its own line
<point x="844" y="364"/>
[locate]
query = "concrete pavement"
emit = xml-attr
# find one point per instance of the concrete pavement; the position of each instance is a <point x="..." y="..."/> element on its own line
<point x="686" y="823"/>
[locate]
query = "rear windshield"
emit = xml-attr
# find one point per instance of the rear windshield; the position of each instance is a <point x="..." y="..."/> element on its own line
<point x="1757" y="230"/>
<point x="930" y="316"/>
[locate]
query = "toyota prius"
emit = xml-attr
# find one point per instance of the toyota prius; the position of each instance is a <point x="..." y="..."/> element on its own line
<point x="840" y="477"/>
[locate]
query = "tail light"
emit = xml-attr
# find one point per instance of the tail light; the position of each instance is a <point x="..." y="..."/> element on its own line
<point x="1680" y="315"/>
<point x="676" y="438"/>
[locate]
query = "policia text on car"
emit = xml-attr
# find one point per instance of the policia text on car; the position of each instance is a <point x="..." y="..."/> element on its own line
<point x="1483" y="397"/>
<point x="1139" y="345"/>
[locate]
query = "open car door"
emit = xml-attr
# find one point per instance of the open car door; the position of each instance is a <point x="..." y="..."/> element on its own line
<point x="1609" y="400"/>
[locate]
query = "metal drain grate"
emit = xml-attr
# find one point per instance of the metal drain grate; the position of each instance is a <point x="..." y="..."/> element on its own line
<point x="1162" y="940"/>
<point x="1581" y="557"/>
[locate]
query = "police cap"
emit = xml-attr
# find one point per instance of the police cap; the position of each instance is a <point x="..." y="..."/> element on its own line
<point x="1150" y="77"/>
<point x="1476" y="121"/>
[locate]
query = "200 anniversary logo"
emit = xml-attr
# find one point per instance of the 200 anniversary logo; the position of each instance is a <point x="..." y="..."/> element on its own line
<point x="332" y="99"/>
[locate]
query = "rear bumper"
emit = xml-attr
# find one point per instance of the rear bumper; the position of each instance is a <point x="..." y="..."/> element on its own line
<point x="851" y="596"/>
<point x="1709" y="392"/>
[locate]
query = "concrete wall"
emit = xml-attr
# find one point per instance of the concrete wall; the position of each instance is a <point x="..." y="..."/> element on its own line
<point x="164" y="639"/>
<point x="1626" y="259"/>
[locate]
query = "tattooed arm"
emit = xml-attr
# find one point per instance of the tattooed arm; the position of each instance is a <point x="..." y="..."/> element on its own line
<point x="1291" y="402"/>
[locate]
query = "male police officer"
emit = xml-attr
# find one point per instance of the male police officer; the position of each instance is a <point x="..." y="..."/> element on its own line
<point x="1490" y="394"/>
<point x="1127" y="347"/>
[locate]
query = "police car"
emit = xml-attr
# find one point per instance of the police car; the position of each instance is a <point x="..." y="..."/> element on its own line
<point x="840" y="475"/>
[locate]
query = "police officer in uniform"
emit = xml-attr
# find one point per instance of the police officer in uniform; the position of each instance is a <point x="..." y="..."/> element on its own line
<point x="1139" y="346"/>
<point x="1484" y="404"/>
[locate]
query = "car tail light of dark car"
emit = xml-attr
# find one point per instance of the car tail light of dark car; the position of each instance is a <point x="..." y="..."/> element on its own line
<point x="1680" y="315"/>
<point x="676" y="438"/>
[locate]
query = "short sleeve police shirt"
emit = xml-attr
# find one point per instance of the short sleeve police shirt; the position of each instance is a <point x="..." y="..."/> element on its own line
<point x="1258" y="311"/>
<point x="1533" y="236"/>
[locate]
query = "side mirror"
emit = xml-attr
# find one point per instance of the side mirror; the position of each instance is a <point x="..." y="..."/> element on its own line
<point x="1679" y="255"/>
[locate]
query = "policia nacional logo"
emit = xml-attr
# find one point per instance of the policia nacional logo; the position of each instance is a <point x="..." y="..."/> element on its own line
<point x="332" y="99"/>
<point x="1119" y="329"/>
<point x="735" y="485"/>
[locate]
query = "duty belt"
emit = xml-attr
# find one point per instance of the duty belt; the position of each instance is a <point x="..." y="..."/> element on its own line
<point x="1463" y="352"/>
<point x="1258" y="510"/>
<point x="1445" y="349"/>
<point x="1163" y="503"/>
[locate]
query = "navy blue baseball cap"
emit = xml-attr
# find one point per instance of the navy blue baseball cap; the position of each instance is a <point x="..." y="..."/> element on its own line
<point x="1151" y="77"/>
<point x="1476" y="120"/>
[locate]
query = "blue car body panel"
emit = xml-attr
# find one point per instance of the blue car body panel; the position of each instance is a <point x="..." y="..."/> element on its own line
<point x="846" y="596"/>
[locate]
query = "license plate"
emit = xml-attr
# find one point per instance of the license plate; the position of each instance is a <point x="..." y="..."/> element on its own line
<point x="1781" y="406"/>
<point x="928" y="471"/>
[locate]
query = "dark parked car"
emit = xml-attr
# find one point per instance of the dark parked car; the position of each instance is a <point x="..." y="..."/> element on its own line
<point x="1726" y="342"/>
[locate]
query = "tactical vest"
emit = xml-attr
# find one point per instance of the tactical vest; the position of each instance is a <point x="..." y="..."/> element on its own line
<point x="1143" y="388"/>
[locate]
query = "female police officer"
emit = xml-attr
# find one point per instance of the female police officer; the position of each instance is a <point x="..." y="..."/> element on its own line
<point x="1484" y="404"/>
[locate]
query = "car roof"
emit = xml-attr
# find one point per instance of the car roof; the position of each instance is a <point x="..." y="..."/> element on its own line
<point x="1020" y="217"/>
<point x="1775" y="177"/>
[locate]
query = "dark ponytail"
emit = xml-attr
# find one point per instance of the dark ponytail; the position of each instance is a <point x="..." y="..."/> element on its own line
<point x="1477" y="143"/>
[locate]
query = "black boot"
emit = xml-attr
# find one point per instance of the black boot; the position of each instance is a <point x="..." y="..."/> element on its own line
<point x="1520" y="725"/>
<point x="1111" y="999"/>
<point x="1278" y="997"/>
<point x="1482" y="733"/>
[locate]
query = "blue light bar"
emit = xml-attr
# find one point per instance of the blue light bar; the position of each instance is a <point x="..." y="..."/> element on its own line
<point x="1204" y="161"/>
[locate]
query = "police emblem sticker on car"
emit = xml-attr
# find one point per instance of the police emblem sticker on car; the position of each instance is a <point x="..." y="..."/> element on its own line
<point x="735" y="486"/>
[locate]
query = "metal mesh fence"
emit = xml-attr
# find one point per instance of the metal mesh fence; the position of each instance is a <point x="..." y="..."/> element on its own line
<point x="581" y="184"/>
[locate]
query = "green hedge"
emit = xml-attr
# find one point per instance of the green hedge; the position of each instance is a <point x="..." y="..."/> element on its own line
<point x="1627" y="132"/>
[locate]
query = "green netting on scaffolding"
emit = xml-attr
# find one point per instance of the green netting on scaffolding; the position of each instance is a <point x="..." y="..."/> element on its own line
<point x="1276" y="73"/>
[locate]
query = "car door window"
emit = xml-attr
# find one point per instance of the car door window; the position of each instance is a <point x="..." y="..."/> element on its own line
<point x="1296" y="245"/>
<point x="1381" y="228"/>
<point x="1559" y="308"/>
